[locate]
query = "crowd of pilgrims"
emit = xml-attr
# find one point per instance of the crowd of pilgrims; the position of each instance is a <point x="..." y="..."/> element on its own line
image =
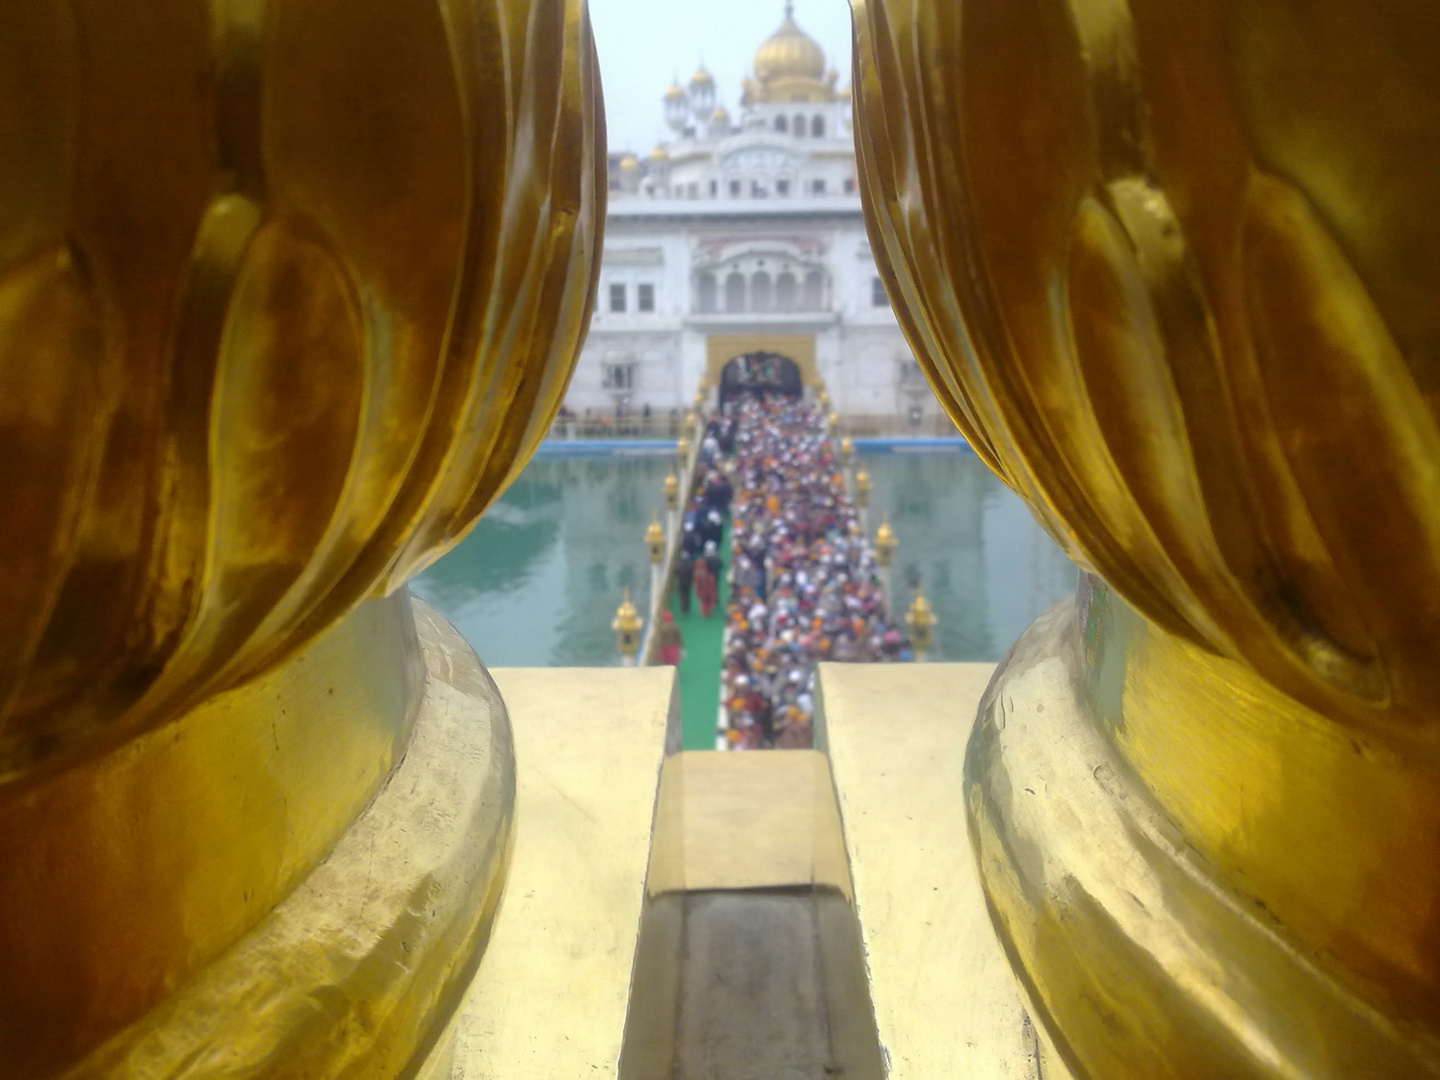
<point x="804" y="585"/>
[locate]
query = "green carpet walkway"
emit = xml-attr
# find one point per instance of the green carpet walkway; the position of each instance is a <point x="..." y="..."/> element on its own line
<point x="699" y="671"/>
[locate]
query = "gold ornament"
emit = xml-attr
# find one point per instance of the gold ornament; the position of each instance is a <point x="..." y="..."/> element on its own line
<point x="1171" y="268"/>
<point x="289" y="293"/>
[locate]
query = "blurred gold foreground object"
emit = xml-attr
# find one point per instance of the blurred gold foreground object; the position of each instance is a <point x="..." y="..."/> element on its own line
<point x="289" y="292"/>
<point x="1174" y="269"/>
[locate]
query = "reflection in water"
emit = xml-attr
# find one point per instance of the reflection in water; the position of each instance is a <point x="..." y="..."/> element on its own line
<point x="538" y="580"/>
<point x="987" y="568"/>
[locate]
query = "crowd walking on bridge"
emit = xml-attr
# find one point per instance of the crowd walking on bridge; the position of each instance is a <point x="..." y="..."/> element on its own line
<point x="804" y="584"/>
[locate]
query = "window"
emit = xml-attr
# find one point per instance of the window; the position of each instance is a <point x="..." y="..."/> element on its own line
<point x="692" y="189"/>
<point x="734" y="292"/>
<point x="619" y="376"/>
<point x="714" y="188"/>
<point x="757" y="190"/>
<point x="877" y="293"/>
<point x="617" y="297"/>
<point x="645" y="297"/>
<point x="799" y="127"/>
<point x="817" y="126"/>
<point x="814" y="291"/>
<point x="781" y="124"/>
<point x="849" y="185"/>
<point x="782" y="187"/>
<point x="760" y="292"/>
<point x="786" y="288"/>
<point x="735" y="189"/>
<point x="706" y="298"/>
<point x="817" y="187"/>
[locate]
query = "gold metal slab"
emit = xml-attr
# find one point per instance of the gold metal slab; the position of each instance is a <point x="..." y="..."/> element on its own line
<point x="747" y="821"/>
<point x="551" y="994"/>
<point x="946" y="1002"/>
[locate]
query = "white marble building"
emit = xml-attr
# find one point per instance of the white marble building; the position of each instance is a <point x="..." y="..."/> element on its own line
<point x="742" y="235"/>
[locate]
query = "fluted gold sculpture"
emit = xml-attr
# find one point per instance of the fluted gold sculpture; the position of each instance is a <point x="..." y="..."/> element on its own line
<point x="1172" y="268"/>
<point x="289" y="292"/>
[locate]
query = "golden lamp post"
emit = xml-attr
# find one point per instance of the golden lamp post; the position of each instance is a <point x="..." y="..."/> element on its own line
<point x="847" y="451"/>
<point x="627" y="625"/>
<point x="862" y="497"/>
<point x="672" y="501"/>
<point x="1200" y="342"/>
<point x="920" y="621"/>
<point x="655" y="549"/>
<point x="682" y="451"/>
<point x="655" y="540"/>
<point x="885" y="545"/>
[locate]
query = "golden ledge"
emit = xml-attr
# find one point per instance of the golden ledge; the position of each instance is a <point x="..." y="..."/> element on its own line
<point x="946" y="1002"/>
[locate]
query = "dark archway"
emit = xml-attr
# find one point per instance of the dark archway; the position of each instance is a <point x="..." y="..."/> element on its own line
<point x="760" y="373"/>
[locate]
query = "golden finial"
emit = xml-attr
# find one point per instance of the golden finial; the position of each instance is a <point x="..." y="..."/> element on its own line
<point x="672" y="490"/>
<point x="847" y="450"/>
<point x="862" y="488"/>
<point x="682" y="450"/>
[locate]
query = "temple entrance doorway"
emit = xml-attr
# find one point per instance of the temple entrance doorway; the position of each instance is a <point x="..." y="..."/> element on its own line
<point x="766" y="373"/>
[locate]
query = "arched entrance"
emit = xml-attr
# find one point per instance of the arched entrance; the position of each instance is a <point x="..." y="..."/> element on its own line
<point x="760" y="373"/>
<point x="720" y="349"/>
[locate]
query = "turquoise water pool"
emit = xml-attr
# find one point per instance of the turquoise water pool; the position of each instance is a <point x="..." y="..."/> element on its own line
<point x="538" y="580"/>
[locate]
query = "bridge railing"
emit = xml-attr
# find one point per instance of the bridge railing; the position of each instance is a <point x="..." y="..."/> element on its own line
<point x="654" y="426"/>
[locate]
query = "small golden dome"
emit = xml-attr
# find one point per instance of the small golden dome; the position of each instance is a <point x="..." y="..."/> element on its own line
<point x="628" y="161"/>
<point x="659" y="154"/>
<point x="702" y="77"/>
<point x="675" y="91"/>
<point x="789" y="53"/>
<point x="720" y="116"/>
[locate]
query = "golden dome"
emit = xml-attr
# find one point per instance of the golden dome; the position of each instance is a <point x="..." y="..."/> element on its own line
<point x="789" y="53"/>
<point x="629" y="161"/>
<point x="659" y="154"/>
<point x="720" y="116"/>
<point x="702" y="77"/>
<point x="675" y="91"/>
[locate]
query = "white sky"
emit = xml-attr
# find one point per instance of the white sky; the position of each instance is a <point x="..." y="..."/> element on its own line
<point x="644" y="44"/>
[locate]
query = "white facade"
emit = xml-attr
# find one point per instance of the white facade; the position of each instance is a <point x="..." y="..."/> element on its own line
<point x="745" y="231"/>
